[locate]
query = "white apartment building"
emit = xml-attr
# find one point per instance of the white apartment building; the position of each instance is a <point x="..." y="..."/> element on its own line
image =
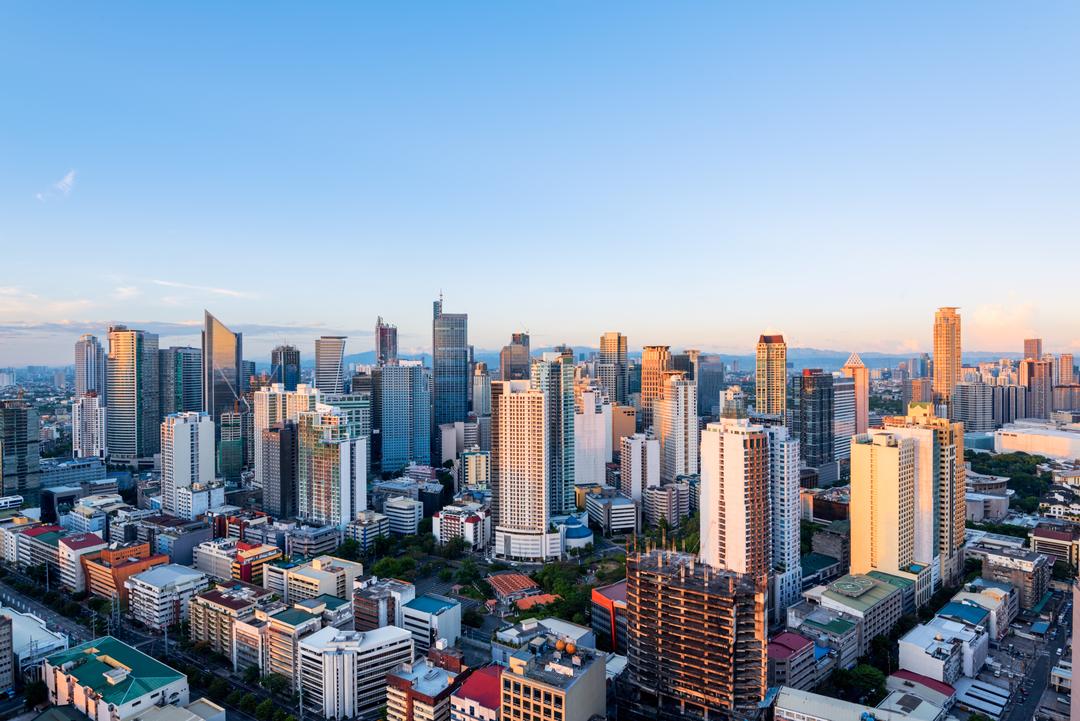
<point x="592" y="437"/>
<point x="273" y="404"/>
<point x="430" y="618"/>
<point x="470" y="521"/>
<point x="639" y="461"/>
<point x="187" y="461"/>
<point x="159" y="597"/>
<point x="784" y="490"/>
<point x="88" y="432"/>
<point x="71" y="549"/>
<point x="675" y="421"/>
<point x="343" y="673"/>
<point x="404" y="515"/>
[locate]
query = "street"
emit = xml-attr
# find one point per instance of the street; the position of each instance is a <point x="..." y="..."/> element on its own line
<point x="1037" y="677"/>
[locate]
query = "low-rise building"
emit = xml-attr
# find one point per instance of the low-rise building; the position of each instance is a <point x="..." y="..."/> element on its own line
<point x="327" y="575"/>
<point x="510" y="639"/>
<point x="108" y="569"/>
<point x="828" y="628"/>
<point x="71" y="550"/>
<point x="1026" y="571"/>
<point x="404" y="515"/>
<point x="791" y="704"/>
<point x="419" y="690"/>
<point x="344" y="673"/>
<point x="31" y="641"/>
<point x="669" y="503"/>
<point x="160" y="597"/>
<point x="982" y="507"/>
<point x="609" y="616"/>
<point x="876" y="603"/>
<point x="366" y="527"/>
<point x="379" y="602"/>
<point x="479" y="695"/>
<point x="108" y="680"/>
<point x="311" y="541"/>
<point x="333" y="611"/>
<point x="432" y="617"/>
<point x="944" y="649"/>
<point x="230" y="558"/>
<point x="1059" y="540"/>
<point x="1001" y="606"/>
<point x="612" y="512"/>
<point x="213" y="613"/>
<point x="553" y="677"/>
<point x="468" y="521"/>
<point x="792" y="661"/>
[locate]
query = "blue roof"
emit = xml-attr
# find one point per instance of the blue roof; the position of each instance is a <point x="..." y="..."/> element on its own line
<point x="1040" y="627"/>
<point x="430" y="603"/>
<point x="969" y="612"/>
<point x="576" y="530"/>
<point x="820" y="652"/>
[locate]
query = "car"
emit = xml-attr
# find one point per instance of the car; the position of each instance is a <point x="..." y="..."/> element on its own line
<point x="1059" y="652"/>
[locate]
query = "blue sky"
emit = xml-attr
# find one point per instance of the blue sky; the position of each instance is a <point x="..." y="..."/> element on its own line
<point x="688" y="173"/>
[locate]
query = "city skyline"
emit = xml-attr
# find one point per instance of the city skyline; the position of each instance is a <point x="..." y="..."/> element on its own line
<point x="811" y="150"/>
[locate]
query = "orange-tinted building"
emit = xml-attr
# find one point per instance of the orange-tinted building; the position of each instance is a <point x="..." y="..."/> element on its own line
<point x="107" y="570"/>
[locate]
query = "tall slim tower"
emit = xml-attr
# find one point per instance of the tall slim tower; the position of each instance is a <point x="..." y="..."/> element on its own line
<point x="88" y="423"/>
<point x="655" y="359"/>
<point x="1033" y="348"/>
<point x="385" y="343"/>
<point x="946" y="354"/>
<point x="481" y="389"/>
<point x="20" y="450"/>
<point x="553" y="374"/>
<point x="1037" y="377"/>
<point x="330" y="363"/>
<point x="812" y="416"/>
<point x="771" y="376"/>
<point x="450" y="368"/>
<point x="180" y="372"/>
<point x="89" y="366"/>
<point x="515" y="359"/>
<point x="612" y="367"/>
<point x="858" y="372"/>
<point x="1066" y="372"/>
<point x="285" y="366"/>
<point x="402" y="402"/>
<point x="187" y="456"/>
<point x="222" y="370"/>
<point x="331" y="469"/>
<point x="273" y="405"/>
<point x="676" y="423"/>
<point x="785" y="577"/>
<point x="134" y="404"/>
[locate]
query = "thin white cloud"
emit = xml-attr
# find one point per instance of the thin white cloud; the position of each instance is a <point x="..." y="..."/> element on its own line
<point x="230" y="292"/>
<point x="61" y="187"/>
<point x="126" y="292"/>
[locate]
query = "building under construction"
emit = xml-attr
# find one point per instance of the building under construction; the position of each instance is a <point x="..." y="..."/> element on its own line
<point x="696" y="640"/>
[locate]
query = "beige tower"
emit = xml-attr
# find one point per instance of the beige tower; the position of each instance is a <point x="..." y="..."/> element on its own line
<point x="946" y="354"/>
<point x="772" y="376"/>
<point x="858" y="372"/>
<point x="655" y="359"/>
<point x="675" y="421"/>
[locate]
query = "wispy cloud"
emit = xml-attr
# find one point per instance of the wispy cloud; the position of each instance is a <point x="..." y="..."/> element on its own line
<point x="61" y="187"/>
<point x="126" y="292"/>
<point x="230" y="292"/>
<point x="16" y="302"/>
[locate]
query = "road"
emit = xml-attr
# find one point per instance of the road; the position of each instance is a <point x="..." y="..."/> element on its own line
<point x="1037" y="678"/>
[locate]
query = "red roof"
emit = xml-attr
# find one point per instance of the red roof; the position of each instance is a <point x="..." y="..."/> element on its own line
<point x="541" y="599"/>
<point x="82" y="540"/>
<point x="505" y="584"/>
<point x="931" y="683"/>
<point x="785" y="645"/>
<point x="1044" y="532"/>
<point x="614" y="592"/>
<point x="41" y="529"/>
<point x="482" y="686"/>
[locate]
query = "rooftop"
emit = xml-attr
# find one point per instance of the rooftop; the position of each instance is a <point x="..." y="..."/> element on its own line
<point x="965" y="611"/>
<point x="785" y="645"/>
<point x="79" y="541"/>
<point x="431" y="603"/>
<point x="424" y="677"/>
<point x="168" y="574"/>
<point x="27" y="629"/>
<point x="614" y="592"/>
<point x="482" y="687"/>
<point x="95" y="665"/>
<point x="539" y="599"/>
<point x="505" y="584"/>
<point x="859" y="592"/>
<point x="931" y="683"/>
<point x="816" y="562"/>
<point x="542" y="660"/>
<point x="293" y="616"/>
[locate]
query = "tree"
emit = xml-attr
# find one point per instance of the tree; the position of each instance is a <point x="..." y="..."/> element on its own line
<point x="251" y="674"/>
<point x="235" y="698"/>
<point x="468" y="573"/>
<point x="219" y="689"/>
<point x="248" y="703"/>
<point x="275" y="683"/>
<point x="265" y="710"/>
<point x="473" y="618"/>
<point x="35" y="693"/>
<point x="348" y="550"/>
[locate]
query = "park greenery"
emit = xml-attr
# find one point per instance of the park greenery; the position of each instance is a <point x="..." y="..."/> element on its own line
<point x="1025" y="479"/>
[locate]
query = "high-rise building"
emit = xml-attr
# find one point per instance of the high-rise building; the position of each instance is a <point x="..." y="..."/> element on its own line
<point x="88" y="424"/>
<point x="785" y="576"/>
<point x="771" y="374"/>
<point x="812" y="416"/>
<point x="274" y="404"/>
<point x="696" y="639"/>
<point x="332" y="469"/>
<point x="187" y="459"/>
<point x="1066" y="370"/>
<point x="917" y="390"/>
<point x="553" y="375"/>
<point x="947" y="351"/>
<point x="858" y="372"/>
<point x="134" y="404"/>
<point x="521" y="471"/>
<point x="639" y="465"/>
<point x="20" y="450"/>
<point x="1010" y="403"/>
<point x="285" y="366"/>
<point x="515" y="359"/>
<point x="1036" y="376"/>
<point x="180" y="382"/>
<point x="1033" y="349"/>
<point x="481" y="389"/>
<point x="687" y="362"/>
<point x="612" y="367"/>
<point x="939" y="492"/>
<point x="655" y="360"/>
<point x="89" y="366"/>
<point x="710" y="383"/>
<point x="883" y="509"/>
<point x="402" y="411"/>
<point x="974" y="406"/>
<point x="844" y="417"/>
<point x="675" y="420"/>
<point x="385" y="343"/>
<point x="330" y="364"/>
<point x="450" y="367"/>
<point x="592" y="436"/>
<point x="735" y="485"/>
<point x="223" y="381"/>
<point x="279" y="464"/>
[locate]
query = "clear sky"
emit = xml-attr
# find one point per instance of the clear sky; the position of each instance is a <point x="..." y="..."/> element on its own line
<point x="688" y="173"/>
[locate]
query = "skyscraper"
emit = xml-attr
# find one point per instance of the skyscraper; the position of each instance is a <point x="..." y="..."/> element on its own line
<point x="696" y="639"/>
<point x="187" y="458"/>
<point x="88" y="424"/>
<point x="180" y="384"/>
<point x="947" y="351"/>
<point x="285" y="366"/>
<point x="812" y="416"/>
<point x="330" y="363"/>
<point x="331" y="469"/>
<point x="89" y="366"/>
<point x="592" y="436"/>
<point x="279" y="463"/>
<point x="655" y="359"/>
<point x="785" y="576"/>
<point x="860" y="375"/>
<point x="916" y="390"/>
<point x="1033" y="348"/>
<point x="134" y="402"/>
<point x="553" y="374"/>
<point x="1037" y="377"/>
<point x="735" y="484"/>
<point x="1010" y="403"/>
<point x="521" y="469"/>
<point x="20" y="450"/>
<point x="771" y="389"/>
<point x="385" y="343"/>
<point x="450" y="367"/>
<point x="676" y="422"/>
<point x="612" y="366"/>
<point x="481" y="389"/>
<point x="639" y="465"/>
<point x="515" y="359"/>
<point x="272" y="405"/>
<point x="1066" y="372"/>
<point x="844" y="414"/>
<point x="939" y="492"/>
<point x="974" y="406"/>
<point x="710" y="384"/>
<point x="402" y="405"/>
<point x="222" y="361"/>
